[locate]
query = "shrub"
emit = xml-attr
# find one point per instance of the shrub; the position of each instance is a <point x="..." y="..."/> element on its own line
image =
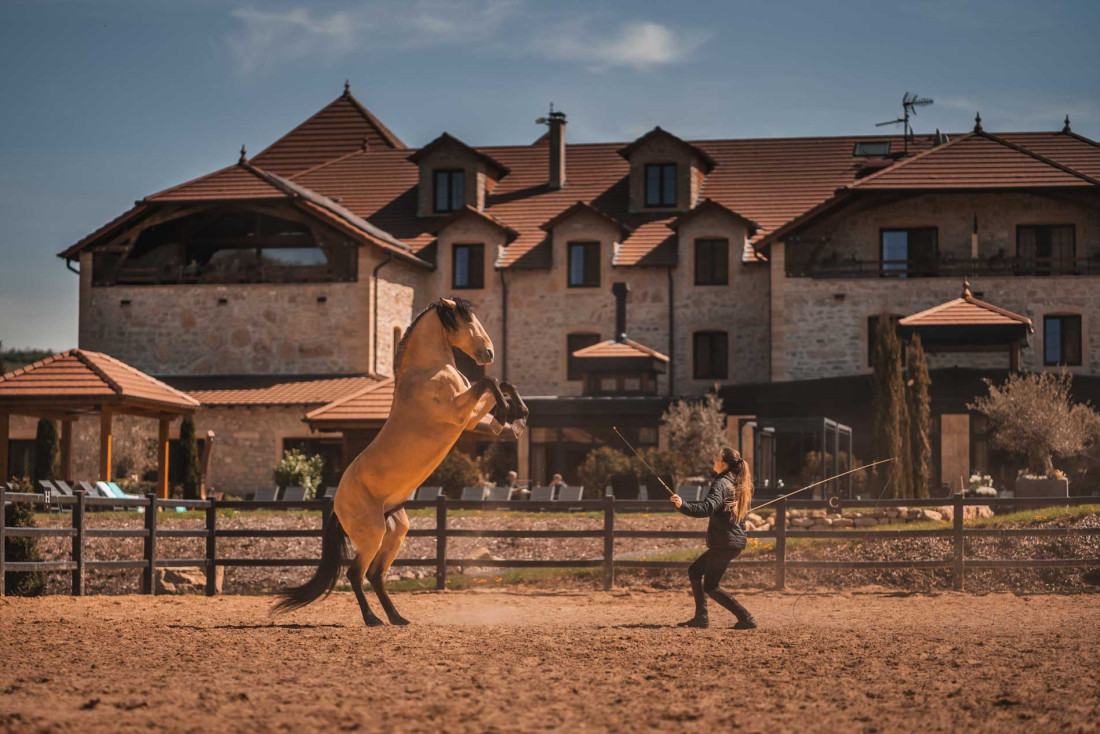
<point x="599" y="466"/>
<point x="497" y="461"/>
<point x="21" y="515"/>
<point x="47" y="451"/>
<point x="665" y="464"/>
<point x="457" y="470"/>
<point x="298" y="470"/>
<point x="696" y="433"/>
<point x="189" y="461"/>
<point x="1033" y="414"/>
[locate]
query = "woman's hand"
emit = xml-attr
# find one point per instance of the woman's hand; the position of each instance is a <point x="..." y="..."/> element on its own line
<point x="676" y="500"/>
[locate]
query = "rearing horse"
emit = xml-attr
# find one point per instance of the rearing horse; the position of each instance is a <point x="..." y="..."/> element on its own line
<point x="433" y="403"/>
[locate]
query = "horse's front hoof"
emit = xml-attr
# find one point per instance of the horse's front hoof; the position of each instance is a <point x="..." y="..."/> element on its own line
<point x="374" y="622"/>
<point x="398" y="620"/>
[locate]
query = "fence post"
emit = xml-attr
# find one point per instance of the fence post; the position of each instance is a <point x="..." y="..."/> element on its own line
<point x="441" y="542"/>
<point x="78" y="543"/>
<point x="608" y="541"/>
<point x="781" y="544"/>
<point x="958" y="538"/>
<point x="3" y="522"/>
<point x="211" y="547"/>
<point x="148" y="576"/>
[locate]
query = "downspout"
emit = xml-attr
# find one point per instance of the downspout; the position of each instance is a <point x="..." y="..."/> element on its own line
<point x="374" y="287"/>
<point x="503" y="327"/>
<point x="671" y="333"/>
<point x="69" y="265"/>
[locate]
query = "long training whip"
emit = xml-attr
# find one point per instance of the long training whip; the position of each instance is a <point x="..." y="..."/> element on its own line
<point x="647" y="466"/>
<point x="823" y="481"/>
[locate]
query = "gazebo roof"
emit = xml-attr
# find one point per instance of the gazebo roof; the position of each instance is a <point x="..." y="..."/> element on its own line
<point x="81" y="381"/>
<point x="367" y="407"/>
<point x="966" y="311"/>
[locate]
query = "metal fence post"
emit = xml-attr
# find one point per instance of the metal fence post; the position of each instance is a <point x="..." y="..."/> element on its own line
<point x="211" y="548"/>
<point x="958" y="539"/>
<point x="3" y="522"/>
<point x="78" y="543"/>
<point x="441" y="542"/>
<point x="781" y="544"/>
<point x="148" y="576"/>
<point x="608" y="541"/>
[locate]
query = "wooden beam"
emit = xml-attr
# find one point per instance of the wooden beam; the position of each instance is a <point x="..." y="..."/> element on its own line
<point x="5" y="432"/>
<point x="162" y="457"/>
<point x="105" y="444"/>
<point x="66" y="467"/>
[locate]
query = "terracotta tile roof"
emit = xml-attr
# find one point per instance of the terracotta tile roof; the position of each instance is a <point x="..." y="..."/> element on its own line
<point x="657" y="132"/>
<point x="240" y="181"/>
<point x="977" y="160"/>
<point x="499" y="169"/>
<point x="965" y="311"/>
<point x="130" y="215"/>
<point x="79" y="374"/>
<point x="613" y="348"/>
<point x="339" y="128"/>
<point x="469" y="211"/>
<point x="1075" y="151"/>
<point x="367" y="405"/>
<point x="270" y="389"/>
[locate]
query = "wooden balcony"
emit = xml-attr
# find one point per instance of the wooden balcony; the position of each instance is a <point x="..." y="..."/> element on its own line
<point x="943" y="267"/>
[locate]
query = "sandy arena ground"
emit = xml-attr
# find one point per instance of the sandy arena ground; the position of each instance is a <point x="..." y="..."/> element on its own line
<point x="496" y="661"/>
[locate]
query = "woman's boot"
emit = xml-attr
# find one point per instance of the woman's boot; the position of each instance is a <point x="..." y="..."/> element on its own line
<point x="700" y="620"/>
<point x="745" y="620"/>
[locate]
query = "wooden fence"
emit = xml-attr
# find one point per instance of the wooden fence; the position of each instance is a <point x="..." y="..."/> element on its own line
<point x="81" y="533"/>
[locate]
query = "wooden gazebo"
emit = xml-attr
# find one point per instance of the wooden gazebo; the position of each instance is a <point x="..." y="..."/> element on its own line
<point x="79" y="382"/>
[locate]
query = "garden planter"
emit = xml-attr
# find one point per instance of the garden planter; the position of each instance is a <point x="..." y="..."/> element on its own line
<point x="1042" y="487"/>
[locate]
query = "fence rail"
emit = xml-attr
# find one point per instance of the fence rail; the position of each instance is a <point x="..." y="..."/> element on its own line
<point x="79" y="533"/>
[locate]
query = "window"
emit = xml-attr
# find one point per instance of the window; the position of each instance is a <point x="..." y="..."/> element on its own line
<point x="872" y="331"/>
<point x="1051" y="248"/>
<point x="869" y="149"/>
<point x="450" y="190"/>
<point x="468" y="266"/>
<point x="902" y="249"/>
<point x="584" y="264"/>
<point x="712" y="262"/>
<point x="573" y="342"/>
<point x="660" y="184"/>
<point x="711" y="355"/>
<point x="1062" y="340"/>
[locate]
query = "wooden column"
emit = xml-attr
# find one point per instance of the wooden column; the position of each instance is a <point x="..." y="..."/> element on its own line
<point x="162" y="457"/>
<point x="66" y="467"/>
<point x="5" y="465"/>
<point x="105" y="444"/>
<point x="1014" y="357"/>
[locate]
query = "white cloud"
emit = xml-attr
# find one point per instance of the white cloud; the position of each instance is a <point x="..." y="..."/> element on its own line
<point x="267" y="37"/>
<point x="637" y="44"/>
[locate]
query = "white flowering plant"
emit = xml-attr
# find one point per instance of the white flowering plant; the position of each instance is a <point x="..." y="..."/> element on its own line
<point x="981" y="485"/>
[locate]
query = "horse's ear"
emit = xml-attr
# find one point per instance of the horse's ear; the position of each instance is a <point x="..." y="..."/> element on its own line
<point x="445" y="309"/>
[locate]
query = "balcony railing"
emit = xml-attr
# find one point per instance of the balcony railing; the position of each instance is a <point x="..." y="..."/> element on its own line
<point x="944" y="267"/>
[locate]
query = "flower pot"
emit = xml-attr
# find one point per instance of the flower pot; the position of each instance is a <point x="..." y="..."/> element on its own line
<point x="1042" y="487"/>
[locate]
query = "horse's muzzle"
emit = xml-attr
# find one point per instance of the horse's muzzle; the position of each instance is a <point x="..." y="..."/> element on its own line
<point x="484" y="356"/>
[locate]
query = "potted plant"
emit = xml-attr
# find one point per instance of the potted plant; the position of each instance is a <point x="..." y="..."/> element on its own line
<point x="1033" y="414"/>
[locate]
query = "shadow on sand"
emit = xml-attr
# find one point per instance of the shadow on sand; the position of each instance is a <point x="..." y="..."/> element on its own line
<point x="252" y="626"/>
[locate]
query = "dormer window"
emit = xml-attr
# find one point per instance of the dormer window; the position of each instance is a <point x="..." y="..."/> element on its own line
<point x="660" y="184"/>
<point x="450" y="190"/>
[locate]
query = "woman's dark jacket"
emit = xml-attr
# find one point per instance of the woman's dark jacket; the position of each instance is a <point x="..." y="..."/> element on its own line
<point x="722" y="532"/>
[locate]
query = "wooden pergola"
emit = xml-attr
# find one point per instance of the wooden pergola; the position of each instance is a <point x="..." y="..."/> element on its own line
<point x="78" y="382"/>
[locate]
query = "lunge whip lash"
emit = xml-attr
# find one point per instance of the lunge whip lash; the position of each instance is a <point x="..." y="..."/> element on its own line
<point x="823" y="481"/>
<point x="647" y="466"/>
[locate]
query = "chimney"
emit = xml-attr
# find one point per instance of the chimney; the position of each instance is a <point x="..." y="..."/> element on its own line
<point x="556" y="121"/>
<point x="620" y="290"/>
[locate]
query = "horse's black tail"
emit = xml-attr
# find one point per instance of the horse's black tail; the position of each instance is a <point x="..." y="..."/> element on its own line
<point x="334" y="554"/>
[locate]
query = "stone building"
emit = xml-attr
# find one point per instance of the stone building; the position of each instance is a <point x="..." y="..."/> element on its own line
<point x="280" y="284"/>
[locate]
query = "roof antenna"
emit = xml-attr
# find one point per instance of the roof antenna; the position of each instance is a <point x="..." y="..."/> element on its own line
<point x="244" y="156"/>
<point x="909" y="104"/>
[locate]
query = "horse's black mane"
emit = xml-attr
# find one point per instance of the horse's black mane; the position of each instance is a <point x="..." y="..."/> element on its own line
<point x="448" y="316"/>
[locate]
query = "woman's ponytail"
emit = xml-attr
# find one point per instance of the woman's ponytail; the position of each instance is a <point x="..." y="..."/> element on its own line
<point x="738" y="504"/>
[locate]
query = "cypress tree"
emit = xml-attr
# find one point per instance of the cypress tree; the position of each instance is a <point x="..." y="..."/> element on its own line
<point x="889" y="408"/>
<point x="920" y="417"/>
<point x="47" y="451"/>
<point x="190" y="464"/>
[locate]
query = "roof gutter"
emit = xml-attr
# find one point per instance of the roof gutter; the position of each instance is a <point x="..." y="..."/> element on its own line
<point x="374" y="309"/>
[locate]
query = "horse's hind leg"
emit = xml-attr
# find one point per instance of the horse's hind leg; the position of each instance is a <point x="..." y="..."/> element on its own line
<point x="397" y="526"/>
<point x="367" y="542"/>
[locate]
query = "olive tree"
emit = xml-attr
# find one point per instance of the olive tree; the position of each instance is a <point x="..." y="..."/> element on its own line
<point x="696" y="431"/>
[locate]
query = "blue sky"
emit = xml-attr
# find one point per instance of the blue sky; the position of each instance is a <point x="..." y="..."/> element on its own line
<point x="106" y="102"/>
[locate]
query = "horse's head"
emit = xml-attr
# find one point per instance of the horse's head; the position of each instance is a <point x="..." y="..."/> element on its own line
<point x="464" y="330"/>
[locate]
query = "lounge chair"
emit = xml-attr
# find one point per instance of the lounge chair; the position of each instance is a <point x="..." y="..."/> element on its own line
<point x="542" y="494"/>
<point x="90" y="490"/>
<point x="427" y="494"/>
<point x="474" y="494"/>
<point x="265" y="494"/>
<point x="63" y="488"/>
<point x="690" y="492"/>
<point x="499" y="494"/>
<point x="330" y="492"/>
<point x="294" y="494"/>
<point x="569" y="494"/>
<point x="120" y="494"/>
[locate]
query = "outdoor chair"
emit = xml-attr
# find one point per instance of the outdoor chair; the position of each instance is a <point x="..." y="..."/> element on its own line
<point x="499" y="494"/>
<point x="329" y="493"/>
<point x="294" y="494"/>
<point x="473" y="494"/>
<point x="542" y="494"/>
<point x="265" y="494"/>
<point x="90" y="490"/>
<point x="63" y="488"/>
<point x="569" y="494"/>
<point x="120" y="494"/>
<point x="427" y="494"/>
<point x="690" y="492"/>
<point x="643" y="491"/>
